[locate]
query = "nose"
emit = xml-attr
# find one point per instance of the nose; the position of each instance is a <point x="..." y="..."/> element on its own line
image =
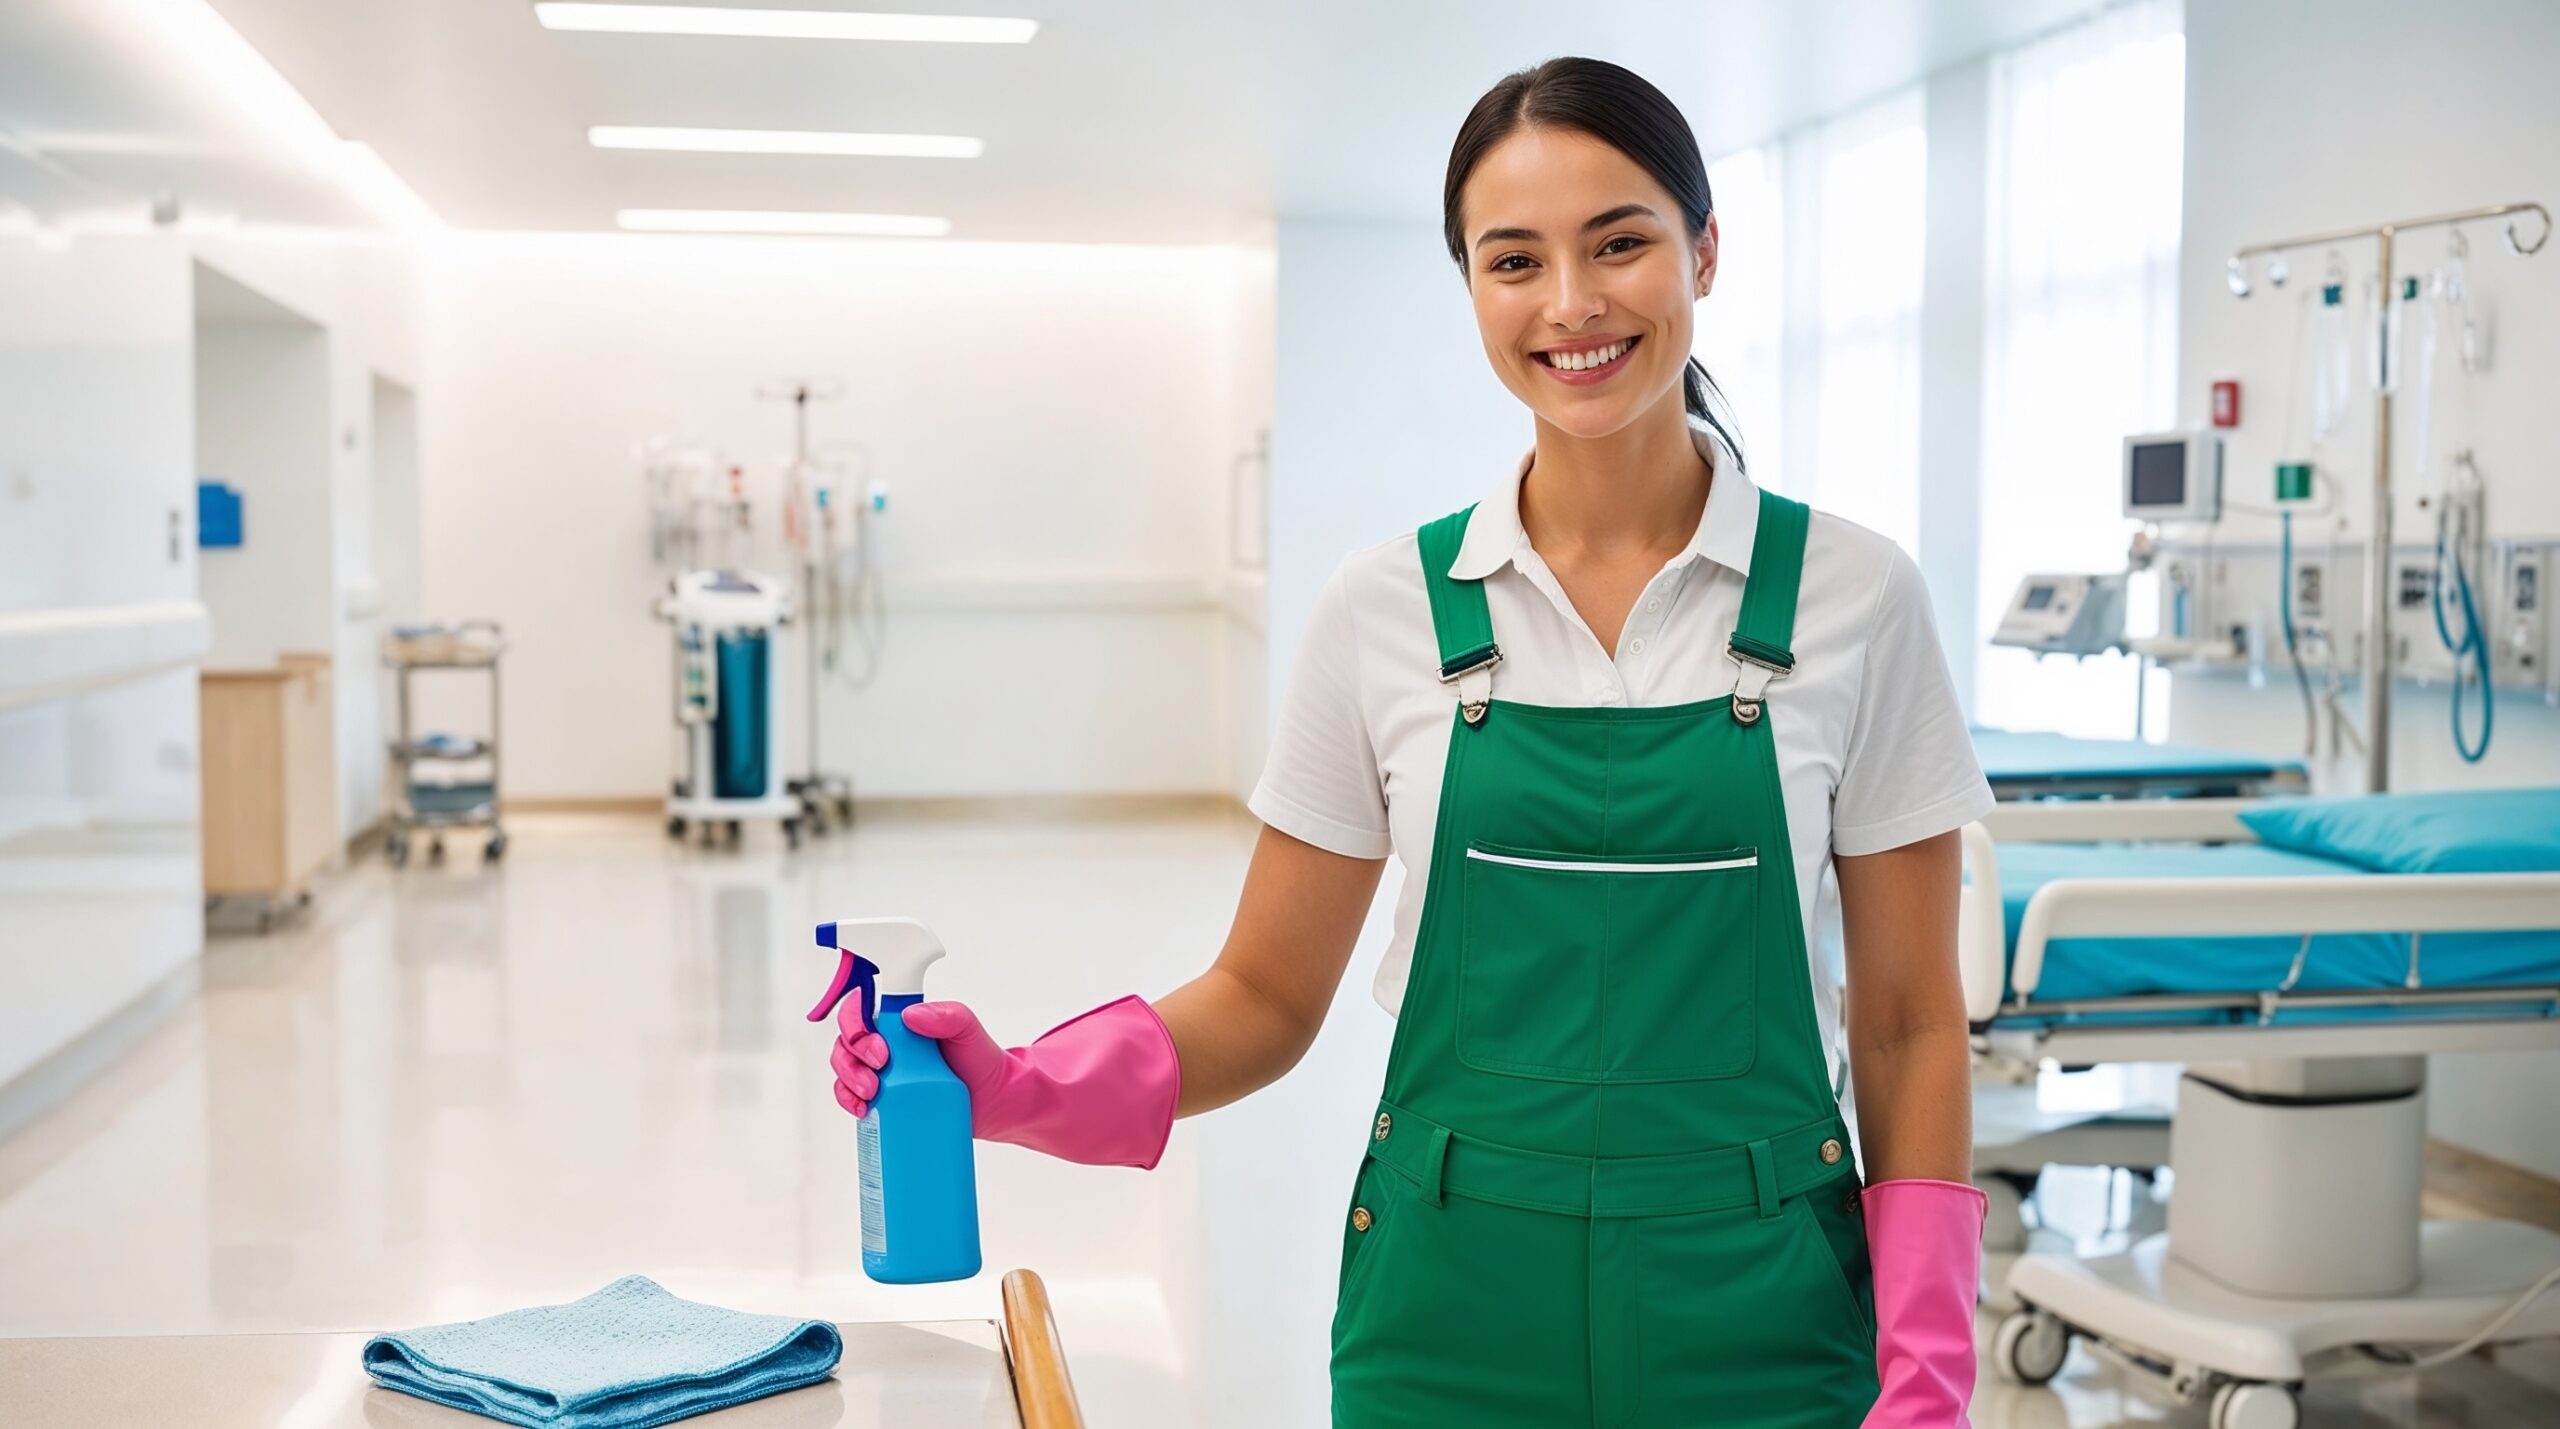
<point x="1574" y="299"/>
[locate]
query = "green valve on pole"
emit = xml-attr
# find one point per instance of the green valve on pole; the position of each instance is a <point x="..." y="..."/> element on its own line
<point x="2293" y="481"/>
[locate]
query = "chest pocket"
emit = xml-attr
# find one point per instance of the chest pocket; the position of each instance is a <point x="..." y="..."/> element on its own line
<point x="1609" y="969"/>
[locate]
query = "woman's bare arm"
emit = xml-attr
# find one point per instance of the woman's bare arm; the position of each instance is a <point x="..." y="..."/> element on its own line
<point x="1908" y="1049"/>
<point x="1254" y="1013"/>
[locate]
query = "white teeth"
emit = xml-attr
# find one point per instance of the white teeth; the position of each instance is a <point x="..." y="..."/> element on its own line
<point x="1585" y="361"/>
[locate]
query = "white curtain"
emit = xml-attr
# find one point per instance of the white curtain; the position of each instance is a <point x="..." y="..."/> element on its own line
<point x="1741" y="334"/>
<point x="2080" y="333"/>
<point x="1860" y="188"/>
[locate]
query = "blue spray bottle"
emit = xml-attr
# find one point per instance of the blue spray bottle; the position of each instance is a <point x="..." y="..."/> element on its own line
<point x="919" y="1165"/>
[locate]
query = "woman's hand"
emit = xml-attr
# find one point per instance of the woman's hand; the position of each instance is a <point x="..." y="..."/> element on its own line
<point x="860" y="1056"/>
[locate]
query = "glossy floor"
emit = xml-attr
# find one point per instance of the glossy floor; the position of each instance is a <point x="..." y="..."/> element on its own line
<point x="454" y="1090"/>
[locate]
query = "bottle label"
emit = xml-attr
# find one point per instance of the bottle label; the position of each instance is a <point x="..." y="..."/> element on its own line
<point x="875" y="1219"/>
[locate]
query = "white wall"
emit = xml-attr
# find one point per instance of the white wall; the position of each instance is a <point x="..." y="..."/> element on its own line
<point x="262" y="428"/>
<point x="1951" y="359"/>
<point x="364" y="293"/>
<point x="1051" y="421"/>
<point x="99" y="421"/>
<point x="2304" y="116"/>
<point x="99" y="878"/>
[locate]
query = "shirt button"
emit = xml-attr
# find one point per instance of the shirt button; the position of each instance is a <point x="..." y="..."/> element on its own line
<point x="1636" y="645"/>
<point x="1653" y="604"/>
<point x="1608" y="692"/>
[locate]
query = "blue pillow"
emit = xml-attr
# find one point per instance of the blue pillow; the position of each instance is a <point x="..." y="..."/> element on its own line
<point x="2451" y="831"/>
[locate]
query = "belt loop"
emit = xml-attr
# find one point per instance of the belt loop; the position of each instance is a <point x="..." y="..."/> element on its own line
<point x="1435" y="1161"/>
<point x="1764" y="1177"/>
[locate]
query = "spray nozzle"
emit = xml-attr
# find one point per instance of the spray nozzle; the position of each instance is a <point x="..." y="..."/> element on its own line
<point x="880" y="957"/>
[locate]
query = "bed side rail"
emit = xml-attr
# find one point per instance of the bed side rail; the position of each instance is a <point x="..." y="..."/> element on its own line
<point x="2413" y="903"/>
<point x="2126" y="820"/>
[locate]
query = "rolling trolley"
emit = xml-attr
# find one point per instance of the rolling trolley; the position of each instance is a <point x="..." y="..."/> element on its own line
<point x="443" y="781"/>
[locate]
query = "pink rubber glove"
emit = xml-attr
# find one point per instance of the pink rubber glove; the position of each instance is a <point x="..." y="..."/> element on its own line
<point x="1098" y="1089"/>
<point x="1924" y="1240"/>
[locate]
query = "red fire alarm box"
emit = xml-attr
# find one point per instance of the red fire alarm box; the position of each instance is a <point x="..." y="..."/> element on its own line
<point x="2226" y="402"/>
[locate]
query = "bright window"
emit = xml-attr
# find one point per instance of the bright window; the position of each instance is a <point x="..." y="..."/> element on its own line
<point x="2080" y="333"/>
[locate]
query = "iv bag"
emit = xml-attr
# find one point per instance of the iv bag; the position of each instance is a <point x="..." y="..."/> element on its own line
<point x="2330" y="365"/>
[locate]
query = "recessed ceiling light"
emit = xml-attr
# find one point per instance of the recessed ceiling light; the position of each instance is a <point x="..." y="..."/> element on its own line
<point x="725" y="220"/>
<point x="784" y="141"/>
<point x="782" y="24"/>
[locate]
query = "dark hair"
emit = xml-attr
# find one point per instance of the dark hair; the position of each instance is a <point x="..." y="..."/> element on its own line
<point x="1623" y="110"/>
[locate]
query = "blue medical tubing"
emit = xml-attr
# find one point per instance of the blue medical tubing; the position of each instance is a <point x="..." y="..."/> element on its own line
<point x="2472" y="644"/>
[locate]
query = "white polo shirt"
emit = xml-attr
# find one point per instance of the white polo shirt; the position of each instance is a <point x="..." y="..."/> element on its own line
<point x="1873" y="752"/>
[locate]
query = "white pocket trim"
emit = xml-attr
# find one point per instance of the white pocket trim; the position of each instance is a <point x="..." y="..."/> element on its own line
<point x="1566" y="866"/>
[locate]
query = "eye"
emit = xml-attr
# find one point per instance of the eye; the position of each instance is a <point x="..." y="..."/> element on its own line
<point x="1628" y="239"/>
<point x="1501" y="264"/>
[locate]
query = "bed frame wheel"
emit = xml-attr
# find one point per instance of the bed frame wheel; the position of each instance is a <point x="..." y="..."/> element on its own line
<point x="2029" y="1349"/>
<point x="2255" y="1406"/>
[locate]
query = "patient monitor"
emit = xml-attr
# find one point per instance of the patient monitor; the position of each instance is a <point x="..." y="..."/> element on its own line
<point x="2064" y="615"/>
<point x="2173" y="476"/>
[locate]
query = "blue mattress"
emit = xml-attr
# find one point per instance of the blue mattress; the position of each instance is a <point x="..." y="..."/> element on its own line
<point x="2078" y="968"/>
<point x="2010" y="756"/>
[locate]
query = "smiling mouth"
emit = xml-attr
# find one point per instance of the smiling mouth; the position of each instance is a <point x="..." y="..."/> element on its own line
<point x="1587" y="361"/>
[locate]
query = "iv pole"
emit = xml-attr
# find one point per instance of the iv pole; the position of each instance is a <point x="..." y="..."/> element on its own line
<point x="816" y="789"/>
<point x="2375" y="668"/>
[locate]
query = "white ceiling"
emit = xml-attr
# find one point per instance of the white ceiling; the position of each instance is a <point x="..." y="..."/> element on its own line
<point x="1148" y="121"/>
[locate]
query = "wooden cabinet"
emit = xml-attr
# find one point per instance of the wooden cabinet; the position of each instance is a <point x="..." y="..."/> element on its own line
<point x="270" y="777"/>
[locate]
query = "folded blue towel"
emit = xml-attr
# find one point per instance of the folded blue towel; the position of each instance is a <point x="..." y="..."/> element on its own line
<point x="627" y="1357"/>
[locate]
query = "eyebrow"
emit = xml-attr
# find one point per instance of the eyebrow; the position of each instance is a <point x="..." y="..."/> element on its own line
<point x="1622" y="211"/>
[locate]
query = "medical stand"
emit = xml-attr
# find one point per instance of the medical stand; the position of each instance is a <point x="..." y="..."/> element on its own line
<point x="817" y="790"/>
<point x="2379" y="587"/>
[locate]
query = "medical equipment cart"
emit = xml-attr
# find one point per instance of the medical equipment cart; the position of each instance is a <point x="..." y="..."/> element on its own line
<point x="728" y="716"/>
<point x="443" y="781"/>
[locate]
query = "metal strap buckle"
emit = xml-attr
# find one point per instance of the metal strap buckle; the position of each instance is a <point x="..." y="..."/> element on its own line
<point x="1472" y="673"/>
<point x="1751" y="683"/>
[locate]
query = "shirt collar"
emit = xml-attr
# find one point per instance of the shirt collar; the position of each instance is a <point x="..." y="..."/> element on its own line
<point x="1725" y="531"/>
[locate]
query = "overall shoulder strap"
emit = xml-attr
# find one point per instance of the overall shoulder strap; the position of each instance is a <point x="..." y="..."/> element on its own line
<point x="1765" y="631"/>
<point x="1460" y="619"/>
<point x="1767" y="627"/>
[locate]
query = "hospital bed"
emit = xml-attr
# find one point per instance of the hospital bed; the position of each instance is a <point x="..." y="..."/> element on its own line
<point x="2022" y="764"/>
<point x="2302" y="977"/>
<point x="2016" y="1136"/>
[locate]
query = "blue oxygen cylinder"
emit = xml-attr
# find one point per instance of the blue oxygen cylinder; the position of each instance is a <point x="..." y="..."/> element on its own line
<point x="919" y="1163"/>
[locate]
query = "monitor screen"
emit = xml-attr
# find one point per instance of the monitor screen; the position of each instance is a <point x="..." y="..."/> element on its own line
<point x="2159" y="475"/>
<point x="2038" y="597"/>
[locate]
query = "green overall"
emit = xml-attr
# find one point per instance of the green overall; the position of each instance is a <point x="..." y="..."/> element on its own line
<point x="1608" y="1183"/>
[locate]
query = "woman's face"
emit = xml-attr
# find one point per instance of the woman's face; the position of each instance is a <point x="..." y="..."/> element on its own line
<point x="1585" y="285"/>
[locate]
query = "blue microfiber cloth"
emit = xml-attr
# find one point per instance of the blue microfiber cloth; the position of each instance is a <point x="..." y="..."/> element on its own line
<point x="627" y="1357"/>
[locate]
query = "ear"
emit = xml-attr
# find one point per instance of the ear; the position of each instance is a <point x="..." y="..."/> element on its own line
<point x="1705" y="258"/>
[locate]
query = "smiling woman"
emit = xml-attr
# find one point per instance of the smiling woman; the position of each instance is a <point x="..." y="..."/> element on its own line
<point x="1646" y="262"/>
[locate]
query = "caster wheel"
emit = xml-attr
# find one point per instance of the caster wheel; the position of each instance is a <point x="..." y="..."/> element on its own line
<point x="816" y="819"/>
<point x="844" y="811"/>
<point x="397" y="851"/>
<point x="791" y="832"/>
<point x="737" y="831"/>
<point x="2255" y="1406"/>
<point x="2029" y="1348"/>
<point x="495" y="849"/>
<point x="675" y="826"/>
<point x="435" y="851"/>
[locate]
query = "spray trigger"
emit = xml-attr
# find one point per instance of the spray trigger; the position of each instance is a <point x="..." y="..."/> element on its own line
<point x="852" y="972"/>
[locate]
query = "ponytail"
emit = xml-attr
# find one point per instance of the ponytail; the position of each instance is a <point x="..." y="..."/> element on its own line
<point x="1702" y="397"/>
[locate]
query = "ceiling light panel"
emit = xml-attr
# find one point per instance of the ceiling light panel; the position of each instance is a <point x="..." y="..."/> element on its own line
<point x="782" y="24"/>
<point x="711" y="220"/>
<point x="784" y="141"/>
